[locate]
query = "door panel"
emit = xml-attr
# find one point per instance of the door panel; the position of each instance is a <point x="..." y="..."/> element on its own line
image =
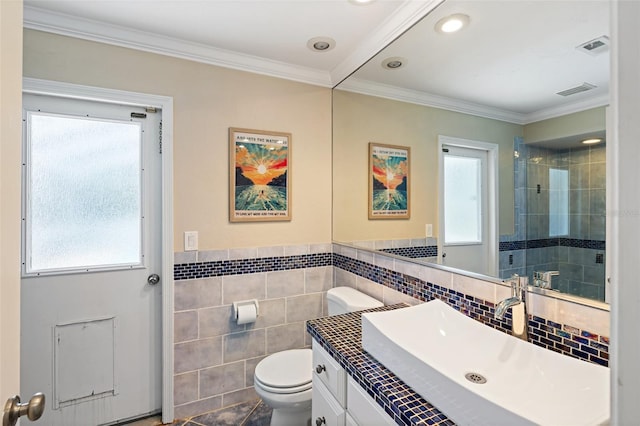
<point x="465" y="225"/>
<point x="91" y="329"/>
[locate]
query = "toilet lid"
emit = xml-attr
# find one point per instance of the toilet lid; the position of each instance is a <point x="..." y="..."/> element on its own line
<point x="285" y="369"/>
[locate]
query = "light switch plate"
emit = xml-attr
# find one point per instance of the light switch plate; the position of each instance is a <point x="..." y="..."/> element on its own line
<point x="429" y="230"/>
<point x="191" y="240"/>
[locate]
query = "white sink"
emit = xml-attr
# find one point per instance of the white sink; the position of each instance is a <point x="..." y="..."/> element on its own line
<point x="431" y="347"/>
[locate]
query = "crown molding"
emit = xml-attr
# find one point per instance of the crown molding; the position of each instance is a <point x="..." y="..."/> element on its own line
<point x="566" y="109"/>
<point x="393" y="27"/>
<point x="87" y="29"/>
<point x="403" y="18"/>
<point x="426" y="99"/>
<point x="380" y="90"/>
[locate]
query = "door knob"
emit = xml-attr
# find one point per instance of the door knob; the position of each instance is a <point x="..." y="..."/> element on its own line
<point x="153" y="279"/>
<point x="13" y="409"/>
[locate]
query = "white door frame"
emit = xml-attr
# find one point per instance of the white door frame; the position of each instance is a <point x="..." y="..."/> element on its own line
<point x="492" y="203"/>
<point x="165" y="103"/>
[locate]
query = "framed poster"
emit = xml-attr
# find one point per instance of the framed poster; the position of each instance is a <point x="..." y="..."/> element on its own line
<point x="260" y="170"/>
<point x="389" y="193"/>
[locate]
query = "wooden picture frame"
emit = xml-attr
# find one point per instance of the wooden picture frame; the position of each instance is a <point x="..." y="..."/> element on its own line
<point x="389" y="181"/>
<point x="259" y="175"/>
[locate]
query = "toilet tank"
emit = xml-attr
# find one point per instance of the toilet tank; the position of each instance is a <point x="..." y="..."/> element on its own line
<point x="346" y="299"/>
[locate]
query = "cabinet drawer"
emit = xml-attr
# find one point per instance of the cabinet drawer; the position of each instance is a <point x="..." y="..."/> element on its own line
<point x="325" y="409"/>
<point x="329" y="372"/>
<point x="363" y="409"/>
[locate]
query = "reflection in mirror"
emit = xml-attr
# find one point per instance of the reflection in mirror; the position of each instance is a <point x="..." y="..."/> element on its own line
<point x="535" y="87"/>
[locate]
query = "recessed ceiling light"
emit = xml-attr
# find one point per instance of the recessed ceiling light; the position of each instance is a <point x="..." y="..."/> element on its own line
<point x="452" y="23"/>
<point x="361" y="2"/>
<point x="591" y="141"/>
<point x="394" y="63"/>
<point x="321" y="44"/>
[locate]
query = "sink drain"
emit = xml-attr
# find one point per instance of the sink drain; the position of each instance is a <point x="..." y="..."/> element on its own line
<point x="475" y="378"/>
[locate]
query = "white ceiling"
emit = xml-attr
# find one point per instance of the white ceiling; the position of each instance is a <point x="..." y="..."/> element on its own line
<point x="263" y="36"/>
<point x="508" y="64"/>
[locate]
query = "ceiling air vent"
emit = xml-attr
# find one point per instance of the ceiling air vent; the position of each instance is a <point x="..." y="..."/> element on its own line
<point x="596" y="46"/>
<point x="578" y="89"/>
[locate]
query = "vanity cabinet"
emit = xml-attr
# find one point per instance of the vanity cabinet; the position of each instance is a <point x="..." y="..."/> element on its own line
<point x="337" y="399"/>
<point x="329" y="386"/>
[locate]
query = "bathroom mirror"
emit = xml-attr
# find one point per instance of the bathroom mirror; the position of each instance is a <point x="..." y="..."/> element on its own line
<point x="528" y="78"/>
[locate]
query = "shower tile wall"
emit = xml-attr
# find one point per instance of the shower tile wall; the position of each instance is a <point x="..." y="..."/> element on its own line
<point x="214" y="358"/>
<point x="512" y="259"/>
<point x="579" y="256"/>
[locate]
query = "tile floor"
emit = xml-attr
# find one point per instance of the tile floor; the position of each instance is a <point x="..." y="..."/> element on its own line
<point x="252" y="413"/>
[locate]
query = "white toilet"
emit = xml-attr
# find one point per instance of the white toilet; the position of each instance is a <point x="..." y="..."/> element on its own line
<point x="283" y="379"/>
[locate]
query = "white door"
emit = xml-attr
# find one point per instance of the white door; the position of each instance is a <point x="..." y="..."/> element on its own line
<point x="90" y="310"/>
<point x="468" y="207"/>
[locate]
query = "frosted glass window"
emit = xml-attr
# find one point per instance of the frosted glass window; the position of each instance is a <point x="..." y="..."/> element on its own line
<point x="558" y="202"/>
<point x="462" y="200"/>
<point x="83" y="192"/>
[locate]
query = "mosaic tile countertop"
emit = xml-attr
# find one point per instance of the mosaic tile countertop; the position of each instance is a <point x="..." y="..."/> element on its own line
<point x="341" y="336"/>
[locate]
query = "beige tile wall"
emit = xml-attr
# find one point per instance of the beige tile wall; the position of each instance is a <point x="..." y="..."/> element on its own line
<point x="214" y="357"/>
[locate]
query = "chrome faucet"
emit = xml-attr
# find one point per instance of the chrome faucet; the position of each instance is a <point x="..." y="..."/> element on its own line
<point x="543" y="279"/>
<point x="518" y="299"/>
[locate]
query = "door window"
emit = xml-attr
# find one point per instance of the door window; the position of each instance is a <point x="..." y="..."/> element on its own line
<point x="83" y="193"/>
<point x="462" y="199"/>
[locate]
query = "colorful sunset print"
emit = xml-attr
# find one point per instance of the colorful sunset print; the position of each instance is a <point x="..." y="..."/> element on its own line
<point x="261" y="163"/>
<point x="389" y="181"/>
<point x="261" y="168"/>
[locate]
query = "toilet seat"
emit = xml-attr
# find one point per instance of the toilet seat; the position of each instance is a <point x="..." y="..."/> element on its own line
<point x="285" y="372"/>
<point x="280" y="390"/>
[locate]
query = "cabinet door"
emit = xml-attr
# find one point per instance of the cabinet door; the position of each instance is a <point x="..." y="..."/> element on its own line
<point x="325" y="409"/>
<point x="363" y="409"/>
<point x="327" y="370"/>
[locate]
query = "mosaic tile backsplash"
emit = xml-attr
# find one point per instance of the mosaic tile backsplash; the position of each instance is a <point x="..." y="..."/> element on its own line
<point x="565" y="339"/>
<point x="559" y="338"/>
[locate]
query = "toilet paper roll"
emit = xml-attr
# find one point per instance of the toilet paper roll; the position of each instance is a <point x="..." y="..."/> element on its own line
<point x="247" y="314"/>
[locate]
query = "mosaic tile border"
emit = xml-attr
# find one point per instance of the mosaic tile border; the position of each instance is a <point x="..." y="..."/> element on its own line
<point x="187" y="271"/>
<point x="413" y="252"/>
<point x="563" y="339"/>
<point x="341" y="337"/>
<point x="551" y="242"/>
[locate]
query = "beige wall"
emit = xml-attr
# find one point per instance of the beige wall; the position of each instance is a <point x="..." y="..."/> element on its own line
<point x="10" y="137"/>
<point x="207" y="101"/>
<point x="579" y="123"/>
<point x="360" y="119"/>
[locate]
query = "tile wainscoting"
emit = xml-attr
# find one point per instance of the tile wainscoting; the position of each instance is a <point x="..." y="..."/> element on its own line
<point x="215" y="357"/>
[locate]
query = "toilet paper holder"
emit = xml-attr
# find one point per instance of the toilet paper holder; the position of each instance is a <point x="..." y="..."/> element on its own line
<point x="237" y="305"/>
